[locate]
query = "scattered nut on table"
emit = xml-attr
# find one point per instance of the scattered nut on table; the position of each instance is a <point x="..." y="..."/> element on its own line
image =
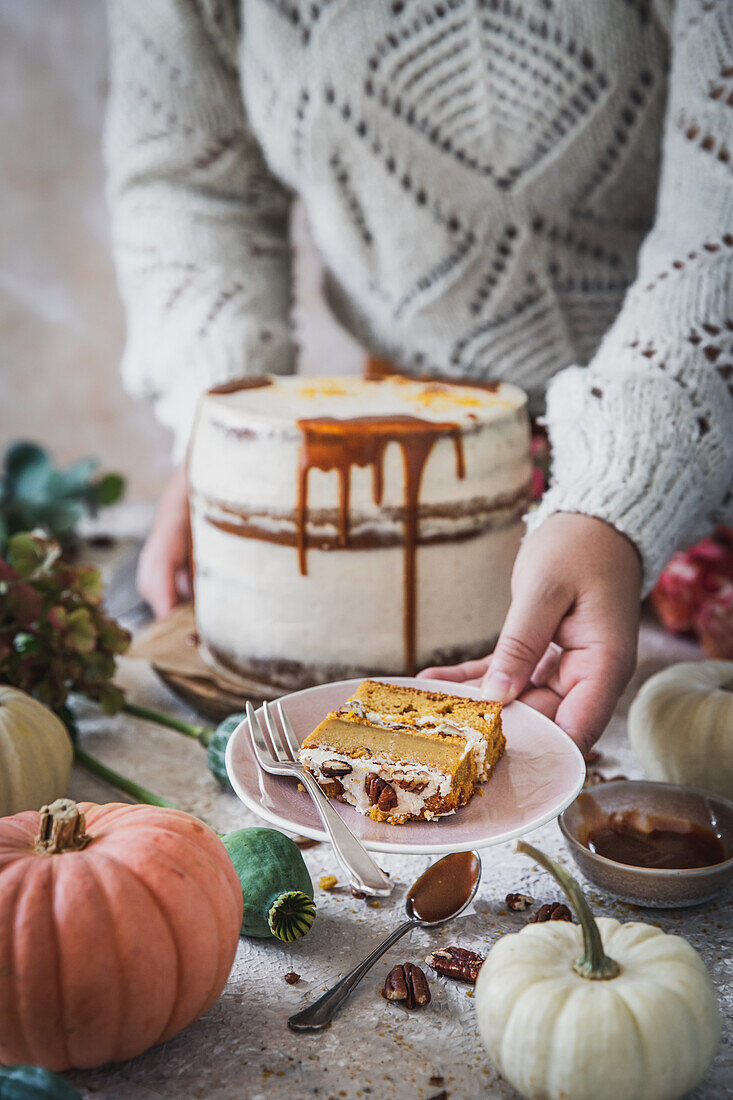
<point x="518" y="902"/>
<point x="554" y="911"/>
<point x="456" y="962"/>
<point x="291" y="977"/>
<point x="407" y="985"/>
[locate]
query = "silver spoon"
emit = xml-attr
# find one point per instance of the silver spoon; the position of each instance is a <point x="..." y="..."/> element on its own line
<point x="441" y="893"/>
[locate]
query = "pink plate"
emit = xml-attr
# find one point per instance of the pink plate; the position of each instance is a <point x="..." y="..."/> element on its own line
<point x="540" y="774"/>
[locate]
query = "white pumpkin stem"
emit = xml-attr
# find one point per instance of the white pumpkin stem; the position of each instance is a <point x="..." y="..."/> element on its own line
<point x="594" y="963"/>
<point x="61" y="828"/>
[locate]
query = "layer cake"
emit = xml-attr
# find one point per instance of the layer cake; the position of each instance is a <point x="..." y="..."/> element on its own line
<point x="346" y="526"/>
<point x="399" y="754"/>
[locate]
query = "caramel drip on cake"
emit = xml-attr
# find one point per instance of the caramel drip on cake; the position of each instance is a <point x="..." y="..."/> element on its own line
<point x="332" y="444"/>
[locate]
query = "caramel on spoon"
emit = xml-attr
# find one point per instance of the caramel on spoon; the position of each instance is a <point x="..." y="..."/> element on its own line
<point x="441" y="893"/>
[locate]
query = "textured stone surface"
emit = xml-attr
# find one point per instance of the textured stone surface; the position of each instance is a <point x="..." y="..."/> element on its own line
<point x="242" y="1047"/>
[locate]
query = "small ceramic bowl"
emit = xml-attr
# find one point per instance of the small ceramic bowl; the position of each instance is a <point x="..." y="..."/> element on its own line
<point x="650" y="886"/>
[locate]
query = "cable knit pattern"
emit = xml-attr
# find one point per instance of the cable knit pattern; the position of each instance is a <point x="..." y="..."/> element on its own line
<point x="481" y="181"/>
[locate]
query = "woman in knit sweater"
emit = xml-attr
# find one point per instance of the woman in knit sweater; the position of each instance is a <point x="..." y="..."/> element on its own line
<point x="513" y="188"/>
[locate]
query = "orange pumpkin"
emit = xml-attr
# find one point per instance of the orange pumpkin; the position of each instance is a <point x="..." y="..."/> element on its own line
<point x="118" y="928"/>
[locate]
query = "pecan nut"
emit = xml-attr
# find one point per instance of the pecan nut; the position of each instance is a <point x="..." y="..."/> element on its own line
<point x="415" y="786"/>
<point x="408" y="985"/>
<point x="291" y="977"/>
<point x="331" y="787"/>
<point x="456" y="962"/>
<point x="379" y="792"/>
<point x="518" y="902"/>
<point x="335" y="769"/>
<point x="554" y="911"/>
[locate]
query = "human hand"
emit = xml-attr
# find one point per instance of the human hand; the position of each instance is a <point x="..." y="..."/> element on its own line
<point x="568" y="645"/>
<point x="163" y="570"/>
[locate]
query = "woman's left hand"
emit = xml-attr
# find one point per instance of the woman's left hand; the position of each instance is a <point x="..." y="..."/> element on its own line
<point x="568" y="645"/>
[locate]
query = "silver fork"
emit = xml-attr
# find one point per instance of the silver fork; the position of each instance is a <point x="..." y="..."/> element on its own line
<point x="281" y="758"/>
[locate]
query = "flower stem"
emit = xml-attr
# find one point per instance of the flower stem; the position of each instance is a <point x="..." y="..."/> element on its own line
<point x="120" y="781"/>
<point x="202" y="734"/>
<point x="594" y="963"/>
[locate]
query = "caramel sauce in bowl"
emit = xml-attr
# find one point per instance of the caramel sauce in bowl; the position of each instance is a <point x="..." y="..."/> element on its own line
<point x="653" y="844"/>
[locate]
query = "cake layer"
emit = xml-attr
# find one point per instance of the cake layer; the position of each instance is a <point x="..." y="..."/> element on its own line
<point x="444" y="752"/>
<point x="247" y="445"/>
<point x="390" y="775"/>
<point x="479" y="721"/>
<point x="344" y="619"/>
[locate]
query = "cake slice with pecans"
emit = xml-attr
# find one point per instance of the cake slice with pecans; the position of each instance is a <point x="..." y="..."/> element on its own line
<point x="401" y="754"/>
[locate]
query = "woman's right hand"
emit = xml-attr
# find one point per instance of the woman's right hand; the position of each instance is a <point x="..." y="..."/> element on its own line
<point x="164" y="569"/>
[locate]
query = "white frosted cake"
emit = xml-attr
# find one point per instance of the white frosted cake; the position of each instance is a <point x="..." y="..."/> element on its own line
<point x="345" y="526"/>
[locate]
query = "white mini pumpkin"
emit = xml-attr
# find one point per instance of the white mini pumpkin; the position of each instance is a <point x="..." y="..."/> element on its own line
<point x="564" y="1021"/>
<point x="35" y="753"/>
<point x="681" y="725"/>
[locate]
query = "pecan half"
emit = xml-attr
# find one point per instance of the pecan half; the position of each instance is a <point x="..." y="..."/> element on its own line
<point x="518" y="902"/>
<point x="554" y="911"/>
<point x="379" y="792"/>
<point x="408" y="985"/>
<point x="334" y="769"/>
<point x="331" y="787"/>
<point x="456" y="962"/>
<point x="291" y="977"/>
<point x="415" y="786"/>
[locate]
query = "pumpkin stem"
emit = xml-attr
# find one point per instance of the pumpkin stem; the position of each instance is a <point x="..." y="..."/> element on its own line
<point x="61" y="828"/>
<point x="594" y="963"/>
<point x="202" y="734"/>
<point x="291" y="915"/>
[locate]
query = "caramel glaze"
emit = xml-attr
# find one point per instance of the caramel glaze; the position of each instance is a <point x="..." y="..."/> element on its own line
<point x="376" y="370"/>
<point x="331" y="444"/>
<point x="445" y="887"/>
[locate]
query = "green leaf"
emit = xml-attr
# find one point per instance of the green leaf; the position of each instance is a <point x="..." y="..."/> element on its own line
<point x="80" y="632"/>
<point x="35" y="494"/>
<point x="22" y="457"/>
<point x="109" y="489"/>
<point x="75" y="479"/>
<point x="111" y="698"/>
<point x="31" y="554"/>
<point x="113" y="637"/>
<point x="89" y="580"/>
<point x="25" y="554"/>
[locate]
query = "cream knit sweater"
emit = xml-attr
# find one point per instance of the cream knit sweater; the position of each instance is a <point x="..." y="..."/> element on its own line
<point x="498" y="188"/>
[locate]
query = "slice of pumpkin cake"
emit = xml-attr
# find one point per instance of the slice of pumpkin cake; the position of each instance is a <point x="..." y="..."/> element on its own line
<point x="478" y="720"/>
<point x="394" y="755"/>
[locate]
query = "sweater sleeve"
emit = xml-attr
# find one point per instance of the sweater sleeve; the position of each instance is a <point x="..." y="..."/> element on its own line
<point x="199" y="225"/>
<point x="643" y="437"/>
